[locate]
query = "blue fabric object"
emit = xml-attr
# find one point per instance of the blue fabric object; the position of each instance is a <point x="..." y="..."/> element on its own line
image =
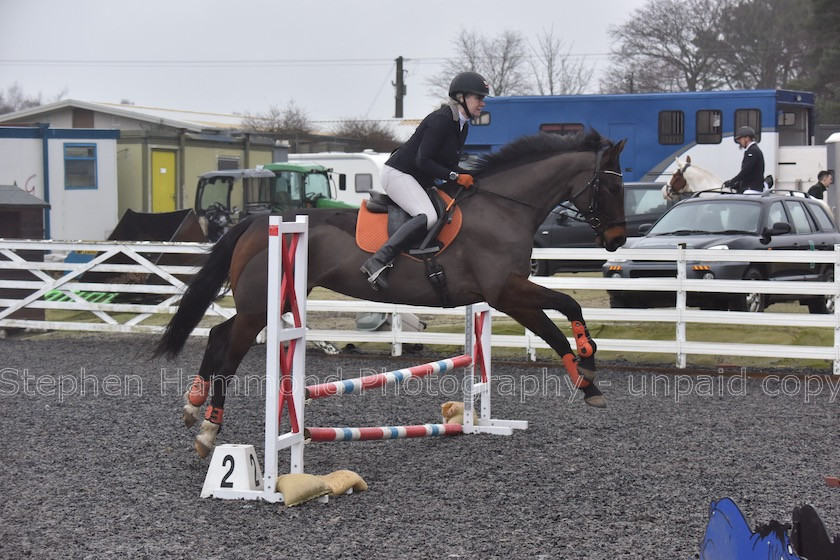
<point x="729" y="537"/>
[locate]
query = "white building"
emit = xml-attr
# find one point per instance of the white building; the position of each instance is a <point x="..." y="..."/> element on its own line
<point x="73" y="170"/>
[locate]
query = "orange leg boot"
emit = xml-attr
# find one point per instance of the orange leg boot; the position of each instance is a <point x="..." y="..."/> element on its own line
<point x="194" y="399"/>
<point x="591" y="394"/>
<point x="205" y="441"/>
<point x="586" y="350"/>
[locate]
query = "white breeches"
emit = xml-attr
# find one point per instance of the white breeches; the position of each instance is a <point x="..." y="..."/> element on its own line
<point x="404" y="189"/>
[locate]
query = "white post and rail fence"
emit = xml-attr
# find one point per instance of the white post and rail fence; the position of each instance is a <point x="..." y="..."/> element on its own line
<point x="39" y="290"/>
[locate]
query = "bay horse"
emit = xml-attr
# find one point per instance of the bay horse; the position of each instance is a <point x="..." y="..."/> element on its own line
<point x="489" y="260"/>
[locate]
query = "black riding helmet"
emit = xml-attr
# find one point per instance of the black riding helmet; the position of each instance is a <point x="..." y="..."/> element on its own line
<point x="468" y="82"/>
<point x="744" y="131"/>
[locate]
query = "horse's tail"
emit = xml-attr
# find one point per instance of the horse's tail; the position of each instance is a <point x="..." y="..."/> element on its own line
<point x="201" y="291"/>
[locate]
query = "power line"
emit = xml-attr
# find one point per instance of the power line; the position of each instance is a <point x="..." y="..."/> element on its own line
<point x="279" y="62"/>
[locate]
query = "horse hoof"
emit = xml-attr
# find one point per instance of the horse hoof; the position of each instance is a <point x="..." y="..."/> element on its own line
<point x="202" y="450"/>
<point x="206" y="439"/>
<point x="192" y="414"/>
<point x="598" y="401"/>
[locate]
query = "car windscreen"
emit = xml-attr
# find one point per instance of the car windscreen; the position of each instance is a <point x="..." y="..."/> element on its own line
<point x="708" y="217"/>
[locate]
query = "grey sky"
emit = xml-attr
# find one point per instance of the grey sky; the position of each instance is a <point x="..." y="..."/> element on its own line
<point x="334" y="58"/>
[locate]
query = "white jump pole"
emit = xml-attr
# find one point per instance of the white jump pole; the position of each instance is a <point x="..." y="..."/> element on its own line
<point x="478" y="376"/>
<point x="236" y="466"/>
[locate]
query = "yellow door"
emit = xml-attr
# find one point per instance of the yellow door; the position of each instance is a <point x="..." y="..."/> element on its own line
<point x="163" y="181"/>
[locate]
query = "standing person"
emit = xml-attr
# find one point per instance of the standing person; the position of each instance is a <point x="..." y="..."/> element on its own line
<point x="432" y="152"/>
<point x="824" y="180"/>
<point x="751" y="176"/>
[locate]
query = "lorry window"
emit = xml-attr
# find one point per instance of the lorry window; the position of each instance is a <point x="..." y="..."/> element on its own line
<point x="671" y="127"/>
<point x="709" y="124"/>
<point x="364" y="182"/>
<point x="751" y="118"/>
<point x="561" y="128"/>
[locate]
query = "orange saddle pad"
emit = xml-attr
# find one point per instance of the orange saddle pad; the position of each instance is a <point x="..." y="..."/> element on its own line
<point x="372" y="229"/>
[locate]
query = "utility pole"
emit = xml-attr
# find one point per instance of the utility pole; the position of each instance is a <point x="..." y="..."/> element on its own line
<point x="400" y="89"/>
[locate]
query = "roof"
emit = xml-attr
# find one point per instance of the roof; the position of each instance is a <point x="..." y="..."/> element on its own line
<point x="193" y="121"/>
<point x="238" y="173"/>
<point x="12" y="195"/>
<point x="294" y="166"/>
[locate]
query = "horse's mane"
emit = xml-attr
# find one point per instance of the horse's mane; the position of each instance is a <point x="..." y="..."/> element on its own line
<point x="539" y="146"/>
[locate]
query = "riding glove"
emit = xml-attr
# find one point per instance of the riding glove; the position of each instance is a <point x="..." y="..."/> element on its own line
<point x="465" y="180"/>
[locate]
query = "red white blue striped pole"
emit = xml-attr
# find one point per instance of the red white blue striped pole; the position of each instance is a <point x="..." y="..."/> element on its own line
<point x="348" y="386"/>
<point x="382" y="432"/>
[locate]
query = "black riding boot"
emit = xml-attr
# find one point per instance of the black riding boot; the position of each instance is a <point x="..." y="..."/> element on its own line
<point x="375" y="267"/>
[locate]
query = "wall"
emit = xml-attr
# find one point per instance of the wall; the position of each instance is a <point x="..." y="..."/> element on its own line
<point x="203" y="157"/>
<point x="21" y="163"/>
<point x="88" y="214"/>
<point x="83" y="214"/>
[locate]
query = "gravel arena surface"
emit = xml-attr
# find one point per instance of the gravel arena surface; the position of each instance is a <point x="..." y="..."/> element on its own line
<point x="96" y="462"/>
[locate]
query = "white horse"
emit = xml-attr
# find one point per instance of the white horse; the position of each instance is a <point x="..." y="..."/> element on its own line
<point x="688" y="178"/>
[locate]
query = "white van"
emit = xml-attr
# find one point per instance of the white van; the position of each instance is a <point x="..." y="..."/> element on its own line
<point x="356" y="173"/>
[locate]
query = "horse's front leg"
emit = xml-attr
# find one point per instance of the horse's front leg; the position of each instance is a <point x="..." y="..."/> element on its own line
<point x="524" y="301"/>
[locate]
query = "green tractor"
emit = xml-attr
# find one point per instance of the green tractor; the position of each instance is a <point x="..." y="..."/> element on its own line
<point x="222" y="198"/>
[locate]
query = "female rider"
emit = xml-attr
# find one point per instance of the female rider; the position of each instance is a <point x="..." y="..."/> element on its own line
<point x="432" y="152"/>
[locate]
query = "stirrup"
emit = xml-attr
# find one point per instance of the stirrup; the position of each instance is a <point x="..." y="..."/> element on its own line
<point x="374" y="277"/>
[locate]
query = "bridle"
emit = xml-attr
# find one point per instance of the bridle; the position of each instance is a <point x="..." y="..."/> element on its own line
<point x="681" y="171"/>
<point x="592" y="216"/>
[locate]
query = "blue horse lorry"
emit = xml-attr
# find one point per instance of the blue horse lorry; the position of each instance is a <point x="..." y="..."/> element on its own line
<point x="661" y="126"/>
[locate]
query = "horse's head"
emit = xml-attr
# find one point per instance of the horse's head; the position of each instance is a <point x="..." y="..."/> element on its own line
<point x="678" y="182"/>
<point x="601" y="201"/>
<point x="579" y="168"/>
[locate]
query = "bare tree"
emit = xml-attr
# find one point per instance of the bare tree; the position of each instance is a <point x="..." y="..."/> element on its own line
<point x="765" y="42"/>
<point x="368" y="134"/>
<point x="14" y="99"/>
<point x="291" y="121"/>
<point x="821" y="73"/>
<point x="501" y="60"/>
<point x="680" y="37"/>
<point x="555" y="72"/>
<point x="628" y="76"/>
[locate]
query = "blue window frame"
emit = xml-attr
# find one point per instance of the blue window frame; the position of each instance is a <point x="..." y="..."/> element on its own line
<point x="80" y="166"/>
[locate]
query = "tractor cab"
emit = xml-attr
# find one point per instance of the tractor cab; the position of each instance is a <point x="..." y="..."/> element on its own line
<point x="222" y="198"/>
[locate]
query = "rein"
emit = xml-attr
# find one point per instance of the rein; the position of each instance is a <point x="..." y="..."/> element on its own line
<point x="499" y="195"/>
<point x="591" y="216"/>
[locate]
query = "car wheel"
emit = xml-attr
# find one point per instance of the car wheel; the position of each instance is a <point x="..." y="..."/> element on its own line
<point x="539" y="267"/>
<point x="618" y="301"/>
<point x="752" y="302"/>
<point x="824" y="304"/>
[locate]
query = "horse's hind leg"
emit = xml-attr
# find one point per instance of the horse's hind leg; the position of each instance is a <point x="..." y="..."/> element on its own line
<point x="240" y="337"/>
<point x="524" y="301"/>
<point x="196" y="395"/>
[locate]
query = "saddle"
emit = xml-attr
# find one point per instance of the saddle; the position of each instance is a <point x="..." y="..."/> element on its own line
<point x="379" y="217"/>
